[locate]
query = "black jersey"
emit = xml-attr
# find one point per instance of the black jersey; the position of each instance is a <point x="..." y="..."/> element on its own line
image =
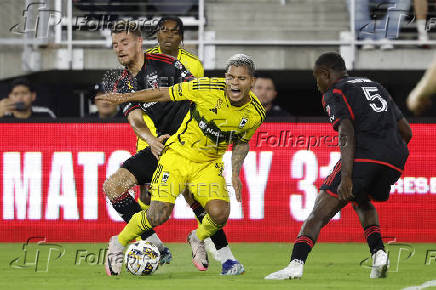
<point x="374" y="115"/>
<point x="159" y="70"/>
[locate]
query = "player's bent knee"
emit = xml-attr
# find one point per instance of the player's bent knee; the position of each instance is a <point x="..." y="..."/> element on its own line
<point x="118" y="183"/>
<point x="218" y="210"/>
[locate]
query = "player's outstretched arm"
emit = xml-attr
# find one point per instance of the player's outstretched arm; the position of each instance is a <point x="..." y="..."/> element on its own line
<point x="239" y="152"/>
<point x="405" y="130"/>
<point x="348" y="147"/>
<point x="146" y="96"/>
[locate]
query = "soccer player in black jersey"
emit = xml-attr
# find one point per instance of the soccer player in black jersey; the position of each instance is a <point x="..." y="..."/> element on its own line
<point x="153" y="123"/>
<point x="373" y="138"/>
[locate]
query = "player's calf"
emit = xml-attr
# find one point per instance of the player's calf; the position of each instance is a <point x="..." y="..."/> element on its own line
<point x="159" y="212"/>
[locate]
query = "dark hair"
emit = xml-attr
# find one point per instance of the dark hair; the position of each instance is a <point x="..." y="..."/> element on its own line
<point x="332" y="60"/>
<point x="176" y="19"/>
<point x="22" y="82"/>
<point x="127" y="26"/>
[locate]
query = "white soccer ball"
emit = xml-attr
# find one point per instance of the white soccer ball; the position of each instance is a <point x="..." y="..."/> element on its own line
<point x="142" y="258"/>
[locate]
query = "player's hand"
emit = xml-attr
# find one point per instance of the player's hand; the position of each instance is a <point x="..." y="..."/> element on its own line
<point x="6" y="106"/>
<point x="156" y="144"/>
<point x="345" y="189"/>
<point x="237" y="186"/>
<point x="114" y="98"/>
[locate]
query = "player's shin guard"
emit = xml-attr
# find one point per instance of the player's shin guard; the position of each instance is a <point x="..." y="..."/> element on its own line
<point x="207" y="228"/>
<point x="302" y="247"/>
<point x="136" y="226"/>
<point x="373" y="237"/>
<point x="126" y="206"/>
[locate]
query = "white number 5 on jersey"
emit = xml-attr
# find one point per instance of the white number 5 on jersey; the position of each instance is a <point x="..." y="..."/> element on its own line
<point x="371" y="95"/>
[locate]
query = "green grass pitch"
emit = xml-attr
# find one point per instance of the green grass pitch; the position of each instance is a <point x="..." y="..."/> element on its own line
<point x="330" y="266"/>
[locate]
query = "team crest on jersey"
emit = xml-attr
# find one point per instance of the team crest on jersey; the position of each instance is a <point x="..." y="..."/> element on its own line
<point x="243" y="122"/>
<point x="165" y="176"/>
<point x="152" y="80"/>
<point x="178" y="65"/>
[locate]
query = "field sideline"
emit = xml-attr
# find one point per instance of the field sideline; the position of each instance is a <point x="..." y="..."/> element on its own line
<point x="331" y="266"/>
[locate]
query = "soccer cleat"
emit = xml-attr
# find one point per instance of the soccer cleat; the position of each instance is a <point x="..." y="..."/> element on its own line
<point x="380" y="264"/>
<point x="293" y="271"/>
<point x="232" y="268"/>
<point x="199" y="254"/>
<point x="114" y="257"/>
<point x="165" y="256"/>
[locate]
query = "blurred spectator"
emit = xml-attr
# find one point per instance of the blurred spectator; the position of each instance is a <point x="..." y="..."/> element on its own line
<point x="105" y="110"/>
<point x="419" y="98"/>
<point x="19" y="102"/>
<point x="380" y="29"/>
<point x="265" y="90"/>
<point x="421" y="19"/>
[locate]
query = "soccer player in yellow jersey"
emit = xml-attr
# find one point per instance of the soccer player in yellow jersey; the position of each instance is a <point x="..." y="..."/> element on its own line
<point x="223" y="112"/>
<point x="170" y="32"/>
<point x="170" y="36"/>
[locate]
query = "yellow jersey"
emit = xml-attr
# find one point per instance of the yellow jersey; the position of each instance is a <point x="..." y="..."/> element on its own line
<point x="212" y="122"/>
<point x="189" y="60"/>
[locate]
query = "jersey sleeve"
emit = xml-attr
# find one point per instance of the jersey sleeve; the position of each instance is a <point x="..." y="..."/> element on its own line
<point x="337" y="106"/>
<point x="182" y="73"/>
<point x="200" y="70"/>
<point x="245" y="138"/>
<point x="123" y="86"/>
<point x="185" y="91"/>
<point x="395" y="110"/>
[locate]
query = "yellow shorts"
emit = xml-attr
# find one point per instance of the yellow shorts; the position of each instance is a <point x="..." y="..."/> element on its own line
<point x="176" y="173"/>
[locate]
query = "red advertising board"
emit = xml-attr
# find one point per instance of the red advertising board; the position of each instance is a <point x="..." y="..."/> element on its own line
<point x="52" y="175"/>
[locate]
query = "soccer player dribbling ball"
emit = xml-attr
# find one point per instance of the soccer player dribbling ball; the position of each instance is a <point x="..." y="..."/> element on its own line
<point x="152" y="124"/>
<point x="223" y="112"/>
<point x="373" y="138"/>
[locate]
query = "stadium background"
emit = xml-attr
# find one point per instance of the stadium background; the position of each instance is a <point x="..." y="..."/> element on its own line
<point x="52" y="172"/>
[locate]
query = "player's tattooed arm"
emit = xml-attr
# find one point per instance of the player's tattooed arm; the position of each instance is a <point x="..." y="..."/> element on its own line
<point x="239" y="152"/>
<point x="159" y="212"/>
<point x="146" y="96"/>
<point x="348" y="147"/>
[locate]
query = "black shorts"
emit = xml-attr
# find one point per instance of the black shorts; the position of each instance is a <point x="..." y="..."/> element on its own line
<point x="142" y="165"/>
<point x="370" y="181"/>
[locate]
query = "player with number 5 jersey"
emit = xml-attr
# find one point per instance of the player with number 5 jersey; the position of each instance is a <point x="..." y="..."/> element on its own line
<point x="373" y="137"/>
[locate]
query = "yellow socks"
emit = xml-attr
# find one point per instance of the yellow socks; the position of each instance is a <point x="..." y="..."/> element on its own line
<point x="207" y="228"/>
<point x="136" y="226"/>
